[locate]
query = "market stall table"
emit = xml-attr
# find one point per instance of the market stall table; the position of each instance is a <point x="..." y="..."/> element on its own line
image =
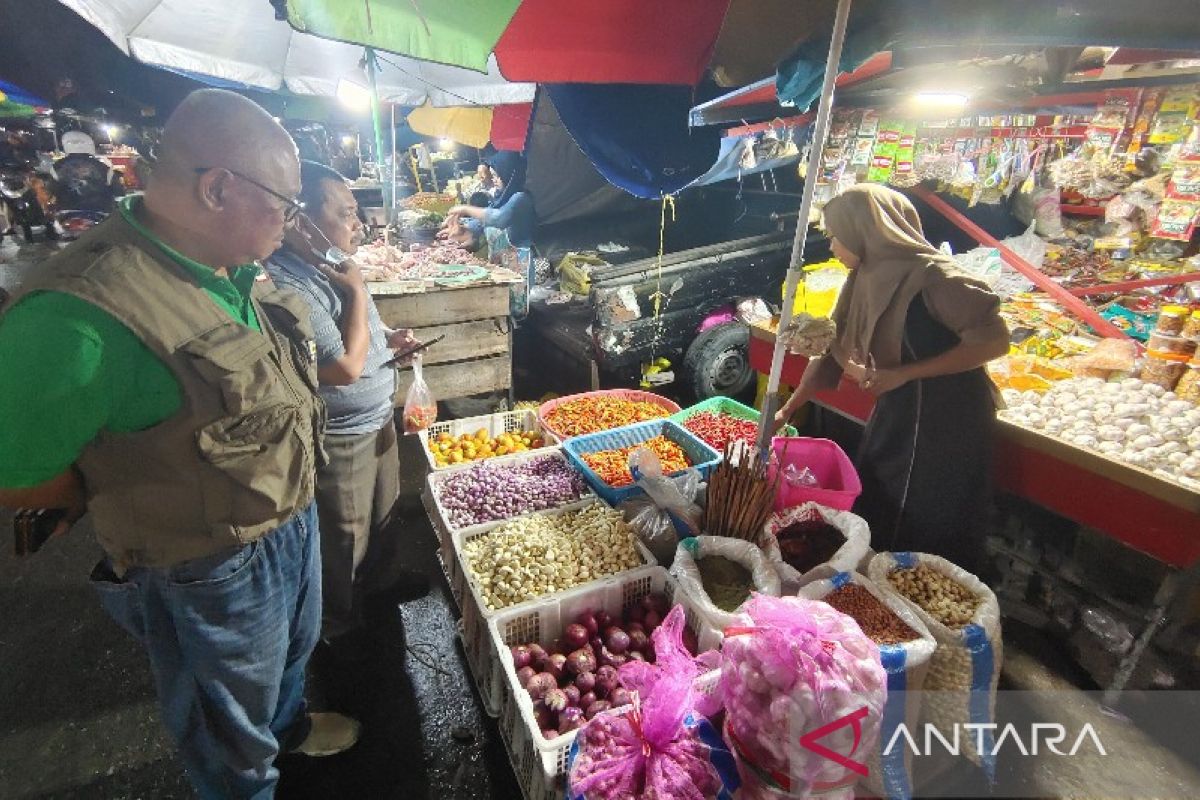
<point x="1154" y="516"/>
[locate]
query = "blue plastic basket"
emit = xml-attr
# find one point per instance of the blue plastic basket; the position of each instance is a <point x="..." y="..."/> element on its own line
<point x="701" y="456"/>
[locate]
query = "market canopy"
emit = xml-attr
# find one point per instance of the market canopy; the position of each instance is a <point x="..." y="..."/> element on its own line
<point x="241" y="41"/>
<point x="11" y="93"/>
<point x="471" y="126"/>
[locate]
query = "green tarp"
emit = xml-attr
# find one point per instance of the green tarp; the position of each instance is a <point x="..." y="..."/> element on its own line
<point x="456" y="32"/>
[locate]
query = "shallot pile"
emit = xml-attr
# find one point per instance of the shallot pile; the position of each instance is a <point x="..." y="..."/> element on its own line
<point x="488" y="492"/>
<point x="575" y="678"/>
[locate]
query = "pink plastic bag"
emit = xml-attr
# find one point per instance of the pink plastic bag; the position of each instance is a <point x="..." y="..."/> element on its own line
<point x="655" y="750"/>
<point x="793" y="667"/>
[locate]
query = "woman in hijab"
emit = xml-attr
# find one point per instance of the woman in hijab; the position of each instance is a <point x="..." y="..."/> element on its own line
<point x="915" y="332"/>
<point x="512" y="211"/>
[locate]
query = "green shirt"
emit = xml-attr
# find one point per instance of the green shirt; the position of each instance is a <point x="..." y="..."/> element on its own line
<point x="69" y="370"/>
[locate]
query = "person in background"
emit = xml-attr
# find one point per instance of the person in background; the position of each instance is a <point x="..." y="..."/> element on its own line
<point x="915" y="332"/>
<point x="485" y="188"/>
<point x="148" y="378"/>
<point x="81" y="181"/>
<point x="512" y="211"/>
<point x="358" y="489"/>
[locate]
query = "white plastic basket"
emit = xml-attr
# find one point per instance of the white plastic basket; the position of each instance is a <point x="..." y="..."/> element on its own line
<point x="541" y="764"/>
<point x="494" y="424"/>
<point x="480" y="650"/>
<point x="437" y="512"/>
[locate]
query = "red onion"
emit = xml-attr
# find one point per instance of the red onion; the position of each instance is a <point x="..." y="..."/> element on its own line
<point x="638" y="641"/>
<point x="521" y="656"/>
<point x="616" y="640"/>
<point x="596" y="643"/>
<point x="537" y="656"/>
<point x="635" y="655"/>
<point x="587" y="699"/>
<point x="655" y="602"/>
<point x="487" y="492"/>
<point x="586" y="681"/>
<point x="581" y="661"/>
<point x="620" y="697"/>
<point x="555" y="664"/>
<point x="598" y="707"/>
<point x="550" y="733"/>
<point x="652" y="620"/>
<point x="588" y="621"/>
<point x="635" y="626"/>
<point x="606" y="681"/>
<point x="571" y="718"/>
<point x="555" y="700"/>
<point x="524" y="674"/>
<point x="603" y="620"/>
<point x="540" y="684"/>
<point x="575" y="636"/>
<point x="543" y="717"/>
<point x="573" y="694"/>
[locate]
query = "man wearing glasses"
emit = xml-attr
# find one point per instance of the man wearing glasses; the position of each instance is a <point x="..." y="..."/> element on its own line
<point x="146" y="377"/>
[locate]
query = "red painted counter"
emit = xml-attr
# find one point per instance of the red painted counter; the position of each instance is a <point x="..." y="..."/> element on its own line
<point x="1135" y="507"/>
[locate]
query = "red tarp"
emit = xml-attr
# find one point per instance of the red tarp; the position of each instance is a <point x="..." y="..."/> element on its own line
<point x="509" y="126"/>
<point x="610" y="41"/>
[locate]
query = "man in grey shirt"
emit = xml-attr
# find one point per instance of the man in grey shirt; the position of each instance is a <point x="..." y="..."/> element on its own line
<point x="358" y="489"/>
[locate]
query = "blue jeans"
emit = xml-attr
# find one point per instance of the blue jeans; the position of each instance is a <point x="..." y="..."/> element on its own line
<point x="229" y="637"/>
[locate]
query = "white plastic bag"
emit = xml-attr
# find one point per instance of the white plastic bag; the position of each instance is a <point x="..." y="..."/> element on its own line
<point x="846" y="559"/>
<point x="668" y="511"/>
<point x="420" y="409"/>
<point x="960" y="687"/>
<point x="685" y="571"/>
<point x="906" y="665"/>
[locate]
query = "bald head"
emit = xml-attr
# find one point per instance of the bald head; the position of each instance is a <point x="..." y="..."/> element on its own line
<point x="224" y="170"/>
<point x="214" y="127"/>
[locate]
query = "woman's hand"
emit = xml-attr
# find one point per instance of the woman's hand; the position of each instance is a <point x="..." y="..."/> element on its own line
<point x="881" y="381"/>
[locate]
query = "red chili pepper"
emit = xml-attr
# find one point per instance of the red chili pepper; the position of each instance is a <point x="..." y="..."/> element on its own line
<point x="718" y="430"/>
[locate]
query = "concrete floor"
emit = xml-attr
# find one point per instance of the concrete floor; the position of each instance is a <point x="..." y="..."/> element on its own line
<point x="78" y="718"/>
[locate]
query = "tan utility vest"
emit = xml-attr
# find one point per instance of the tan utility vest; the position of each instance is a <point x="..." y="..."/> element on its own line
<point x="239" y="457"/>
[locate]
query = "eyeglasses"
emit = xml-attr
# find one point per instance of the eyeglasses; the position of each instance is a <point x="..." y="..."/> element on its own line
<point x="292" y="207"/>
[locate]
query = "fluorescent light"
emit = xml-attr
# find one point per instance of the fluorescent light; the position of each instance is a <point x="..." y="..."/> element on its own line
<point x="942" y="99"/>
<point x="348" y="140"/>
<point x="446" y="144"/>
<point x="111" y="131"/>
<point x="353" y="95"/>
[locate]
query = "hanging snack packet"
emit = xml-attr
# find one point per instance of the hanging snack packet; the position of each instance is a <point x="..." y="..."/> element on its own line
<point x="420" y="409"/>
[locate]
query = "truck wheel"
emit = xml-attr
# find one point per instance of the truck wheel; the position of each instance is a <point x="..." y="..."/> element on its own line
<point x="718" y="361"/>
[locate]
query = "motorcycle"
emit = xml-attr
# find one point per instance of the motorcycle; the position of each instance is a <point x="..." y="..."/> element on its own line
<point x="25" y="209"/>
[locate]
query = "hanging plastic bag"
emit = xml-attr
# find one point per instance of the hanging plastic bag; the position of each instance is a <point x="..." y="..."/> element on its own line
<point x="668" y="511"/>
<point x="964" y="671"/>
<point x="798" y="677"/>
<point x="686" y="572"/>
<point x="661" y="748"/>
<point x="906" y="665"/>
<point x="847" y="558"/>
<point x="420" y="409"/>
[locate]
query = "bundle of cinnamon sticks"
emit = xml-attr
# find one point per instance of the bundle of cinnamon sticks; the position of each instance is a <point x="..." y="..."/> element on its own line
<point x="740" y="494"/>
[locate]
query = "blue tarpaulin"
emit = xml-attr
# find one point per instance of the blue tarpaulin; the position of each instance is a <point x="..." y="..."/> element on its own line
<point x="637" y="136"/>
<point x="16" y="94"/>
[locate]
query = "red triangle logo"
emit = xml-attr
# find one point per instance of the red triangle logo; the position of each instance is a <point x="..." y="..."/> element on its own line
<point x="809" y="740"/>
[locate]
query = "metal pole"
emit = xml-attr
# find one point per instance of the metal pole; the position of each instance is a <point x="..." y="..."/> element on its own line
<point x="377" y="125"/>
<point x="766" y="425"/>
<point x="387" y="232"/>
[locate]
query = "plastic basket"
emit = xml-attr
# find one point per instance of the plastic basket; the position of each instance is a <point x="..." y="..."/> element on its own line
<point x="636" y="395"/>
<point x="542" y="762"/>
<point x="701" y="456"/>
<point x="725" y="405"/>
<point x="495" y="424"/>
<point x="838" y="481"/>
<point x="437" y="512"/>
<point x="480" y="650"/>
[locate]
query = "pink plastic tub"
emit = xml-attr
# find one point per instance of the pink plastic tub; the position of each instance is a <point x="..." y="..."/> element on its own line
<point x="838" y="481"/>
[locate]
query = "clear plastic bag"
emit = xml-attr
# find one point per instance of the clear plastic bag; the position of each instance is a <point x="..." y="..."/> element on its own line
<point x="420" y="409"/>
<point x="668" y="512"/>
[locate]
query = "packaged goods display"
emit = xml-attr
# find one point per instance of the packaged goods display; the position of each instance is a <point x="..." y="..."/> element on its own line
<point x="544" y="553"/>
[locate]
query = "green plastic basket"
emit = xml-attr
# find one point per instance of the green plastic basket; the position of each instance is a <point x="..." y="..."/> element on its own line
<point x="725" y="405"/>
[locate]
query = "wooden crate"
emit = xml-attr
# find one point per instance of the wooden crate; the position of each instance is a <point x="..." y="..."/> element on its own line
<point x="476" y="355"/>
